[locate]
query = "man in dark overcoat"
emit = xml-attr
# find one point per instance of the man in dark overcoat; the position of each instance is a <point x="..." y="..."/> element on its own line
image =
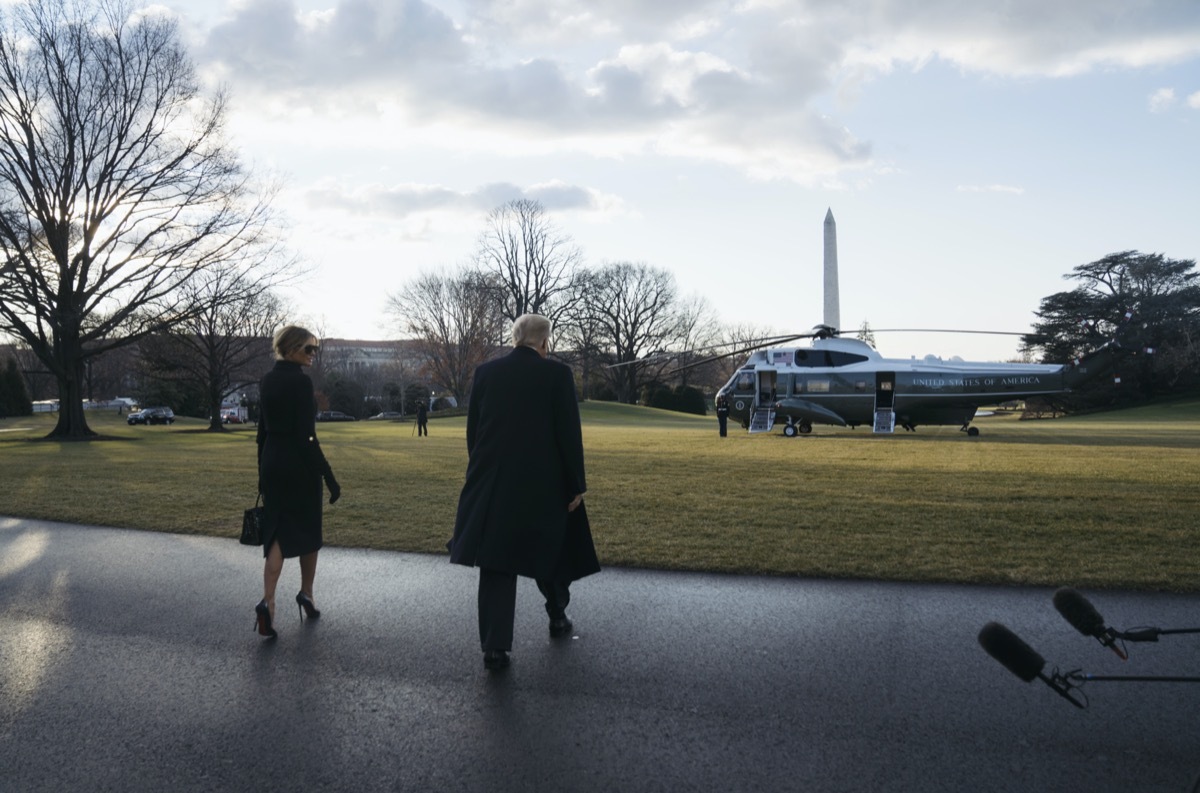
<point x="521" y="508"/>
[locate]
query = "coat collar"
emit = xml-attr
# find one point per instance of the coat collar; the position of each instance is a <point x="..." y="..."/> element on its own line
<point x="523" y="350"/>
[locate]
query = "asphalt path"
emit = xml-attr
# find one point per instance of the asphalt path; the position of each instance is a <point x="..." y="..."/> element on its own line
<point x="128" y="663"/>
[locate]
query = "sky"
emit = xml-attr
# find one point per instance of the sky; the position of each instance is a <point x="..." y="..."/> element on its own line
<point x="972" y="153"/>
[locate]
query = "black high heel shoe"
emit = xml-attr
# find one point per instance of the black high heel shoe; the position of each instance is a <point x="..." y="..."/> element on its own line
<point x="262" y="620"/>
<point x="306" y="606"/>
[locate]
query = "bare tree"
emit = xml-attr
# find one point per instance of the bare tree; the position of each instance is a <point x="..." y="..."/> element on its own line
<point x="865" y="334"/>
<point x="634" y="308"/>
<point x="533" y="266"/>
<point x="579" y="339"/>
<point x="117" y="186"/>
<point x="39" y="381"/>
<point x="226" y="345"/>
<point x="737" y="340"/>
<point x="329" y="358"/>
<point x="455" y="322"/>
<point x="698" y="332"/>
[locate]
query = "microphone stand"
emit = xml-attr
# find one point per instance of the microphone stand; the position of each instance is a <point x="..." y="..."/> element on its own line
<point x="1062" y="686"/>
<point x="1150" y="634"/>
<point x="1078" y="676"/>
<point x="1065" y="684"/>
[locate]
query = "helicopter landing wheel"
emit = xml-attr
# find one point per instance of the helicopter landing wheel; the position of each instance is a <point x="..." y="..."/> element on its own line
<point x="973" y="432"/>
<point x="805" y="427"/>
<point x="790" y="430"/>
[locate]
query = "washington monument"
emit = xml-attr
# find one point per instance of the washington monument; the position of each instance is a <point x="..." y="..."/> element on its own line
<point x="832" y="313"/>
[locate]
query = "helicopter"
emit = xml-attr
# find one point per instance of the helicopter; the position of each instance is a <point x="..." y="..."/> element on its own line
<point x="845" y="382"/>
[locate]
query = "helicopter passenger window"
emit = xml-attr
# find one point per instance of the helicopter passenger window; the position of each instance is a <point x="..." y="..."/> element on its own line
<point x="798" y="387"/>
<point x="745" y="382"/>
<point x="861" y="386"/>
<point x="818" y="386"/>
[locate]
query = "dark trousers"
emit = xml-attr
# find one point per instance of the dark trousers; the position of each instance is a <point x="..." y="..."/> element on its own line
<point x="422" y="428"/>
<point x="498" y="606"/>
<point x="722" y="422"/>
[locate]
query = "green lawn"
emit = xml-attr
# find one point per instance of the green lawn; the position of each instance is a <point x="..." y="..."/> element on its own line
<point x="1105" y="500"/>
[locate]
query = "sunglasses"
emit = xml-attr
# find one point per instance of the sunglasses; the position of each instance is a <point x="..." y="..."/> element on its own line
<point x="311" y="349"/>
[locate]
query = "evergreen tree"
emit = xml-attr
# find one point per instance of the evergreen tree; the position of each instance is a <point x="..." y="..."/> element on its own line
<point x="1144" y="302"/>
<point x="4" y="398"/>
<point x="14" y="397"/>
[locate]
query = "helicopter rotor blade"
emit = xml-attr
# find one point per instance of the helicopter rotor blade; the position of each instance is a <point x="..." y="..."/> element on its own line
<point x="948" y="330"/>
<point x="819" y="332"/>
<point x="765" y="341"/>
<point x="654" y="358"/>
<point x="741" y="351"/>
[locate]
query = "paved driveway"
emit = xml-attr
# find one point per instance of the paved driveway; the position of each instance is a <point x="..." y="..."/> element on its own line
<point x="128" y="663"/>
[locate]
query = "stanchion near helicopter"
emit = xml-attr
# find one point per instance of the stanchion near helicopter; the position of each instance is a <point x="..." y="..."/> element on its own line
<point x="845" y="382"/>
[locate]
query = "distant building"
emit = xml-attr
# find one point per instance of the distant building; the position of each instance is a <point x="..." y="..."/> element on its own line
<point x="359" y="356"/>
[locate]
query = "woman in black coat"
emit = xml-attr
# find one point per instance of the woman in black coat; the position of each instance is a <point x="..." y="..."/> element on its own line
<point x="291" y="466"/>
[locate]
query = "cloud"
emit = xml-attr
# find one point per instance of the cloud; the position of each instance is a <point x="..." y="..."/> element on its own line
<point x="991" y="188"/>
<point x="1162" y="100"/>
<point x="1026" y="38"/>
<point x="1193" y="101"/>
<point x="738" y="84"/>
<point x="271" y="44"/>
<point x="405" y="201"/>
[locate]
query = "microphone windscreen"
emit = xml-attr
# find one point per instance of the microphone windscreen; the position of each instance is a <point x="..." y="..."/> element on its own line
<point x="1008" y="648"/>
<point x="1078" y="610"/>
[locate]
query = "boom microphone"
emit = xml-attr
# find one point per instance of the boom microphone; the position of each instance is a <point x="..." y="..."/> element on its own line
<point x="1009" y="649"/>
<point x="1021" y="659"/>
<point x="1078" y="610"/>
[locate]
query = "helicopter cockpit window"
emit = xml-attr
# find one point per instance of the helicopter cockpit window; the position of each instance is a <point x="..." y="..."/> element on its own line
<point x="745" y="382"/>
<point x="812" y="358"/>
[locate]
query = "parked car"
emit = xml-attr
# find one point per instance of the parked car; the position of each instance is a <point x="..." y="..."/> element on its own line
<point x="334" y="415"/>
<point x="152" y="416"/>
<point x="232" y="418"/>
<point x="387" y="414"/>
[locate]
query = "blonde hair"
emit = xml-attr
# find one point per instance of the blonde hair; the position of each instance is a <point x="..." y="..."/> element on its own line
<point x="288" y="339"/>
<point x="530" y="330"/>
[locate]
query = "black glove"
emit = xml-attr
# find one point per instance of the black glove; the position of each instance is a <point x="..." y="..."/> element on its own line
<point x="335" y="490"/>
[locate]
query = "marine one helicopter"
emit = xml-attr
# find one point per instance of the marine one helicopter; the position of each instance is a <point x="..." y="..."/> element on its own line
<point x="846" y="383"/>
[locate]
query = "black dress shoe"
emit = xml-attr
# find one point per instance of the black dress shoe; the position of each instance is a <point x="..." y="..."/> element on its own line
<point x="306" y="606"/>
<point x="495" y="659"/>
<point x="560" y="626"/>
<point x="262" y="620"/>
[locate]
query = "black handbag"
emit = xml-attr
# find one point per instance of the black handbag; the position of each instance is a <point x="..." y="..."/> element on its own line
<point x="252" y="520"/>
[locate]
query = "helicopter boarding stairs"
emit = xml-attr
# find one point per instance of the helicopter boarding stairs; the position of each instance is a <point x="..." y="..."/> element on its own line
<point x="762" y="419"/>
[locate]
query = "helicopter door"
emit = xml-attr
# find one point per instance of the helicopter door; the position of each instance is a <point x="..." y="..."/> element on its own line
<point x="762" y="418"/>
<point x="766" y="387"/>
<point x="885" y="402"/>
